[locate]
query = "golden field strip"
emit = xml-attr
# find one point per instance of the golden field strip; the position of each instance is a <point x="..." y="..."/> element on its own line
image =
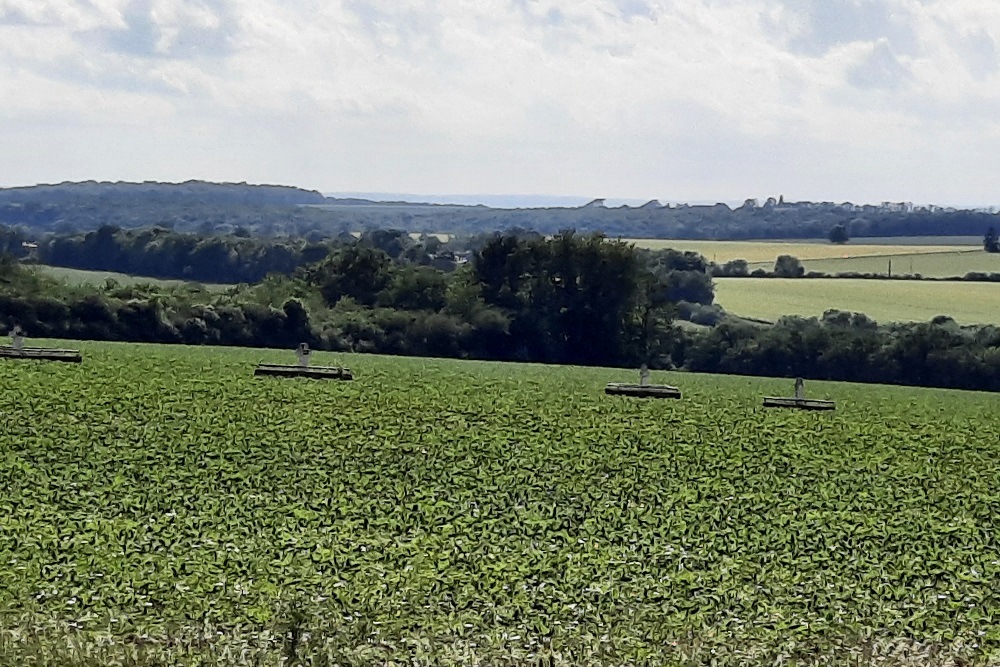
<point x="766" y="251"/>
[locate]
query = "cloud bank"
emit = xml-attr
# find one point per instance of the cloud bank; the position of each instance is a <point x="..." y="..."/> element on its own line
<point x="858" y="100"/>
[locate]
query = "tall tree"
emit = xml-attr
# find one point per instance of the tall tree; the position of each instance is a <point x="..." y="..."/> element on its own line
<point x="991" y="243"/>
<point x="787" y="266"/>
<point x="838" y="234"/>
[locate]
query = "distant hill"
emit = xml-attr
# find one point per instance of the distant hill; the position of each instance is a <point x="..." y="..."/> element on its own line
<point x="275" y="210"/>
<point x="201" y="191"/>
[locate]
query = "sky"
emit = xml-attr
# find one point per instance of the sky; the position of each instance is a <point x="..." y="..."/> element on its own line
<point x="676" y="100"/>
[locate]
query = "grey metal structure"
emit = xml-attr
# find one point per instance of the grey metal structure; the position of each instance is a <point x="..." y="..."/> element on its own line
<point x="303" y="369"/>
<point x="642" y="390"/>
<point x="17" y="350"/>
<point x="798" y="401"/>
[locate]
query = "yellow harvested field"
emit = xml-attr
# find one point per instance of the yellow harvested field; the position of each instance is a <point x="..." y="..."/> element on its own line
<point x="767" y="251"/>
<point x="883" y="300"/>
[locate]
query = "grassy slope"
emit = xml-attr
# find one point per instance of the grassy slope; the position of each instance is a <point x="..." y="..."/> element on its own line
<point x="172" y="507"/>
<point x="98" y="278"/>
<point x="883" y="300"/>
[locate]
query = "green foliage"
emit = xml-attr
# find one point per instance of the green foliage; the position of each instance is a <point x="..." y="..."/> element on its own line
<point x="839" y="234"/>
<point x="162" y="506"/>
<point x="416" y="288"/>
<point x="267" y="211"/>
<point x="991" y="242"/>
<point x="356" y="271"/>
<point x="787" y="266"/>
<point x="567" y="298"/>
<point x="734" y="268"/>
<point x="162" y="253"/>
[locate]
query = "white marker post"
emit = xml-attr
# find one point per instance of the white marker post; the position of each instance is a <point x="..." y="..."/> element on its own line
<point x="303" y="352"/>
<point x="17" y="339"/>
<point x="644" y="376"/>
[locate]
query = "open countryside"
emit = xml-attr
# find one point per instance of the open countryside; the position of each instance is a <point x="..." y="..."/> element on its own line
<point x="766" y="251"/>
<point x="954" y="263"/>
<point x="163" y="506"/>
<point x="883" y="300"/>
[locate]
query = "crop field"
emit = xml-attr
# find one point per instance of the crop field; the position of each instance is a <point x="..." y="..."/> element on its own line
<point x="766" y="252"/>
<point x="162" y="506"/>
<point x="975" y="242"/>
<point x="98" y="278"/>
<point x="883" y="300"/>
<point x="930" y="264"/>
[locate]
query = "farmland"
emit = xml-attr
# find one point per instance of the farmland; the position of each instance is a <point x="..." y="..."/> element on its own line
<point x="99" y="278"/>
<point x="883" y="300"/>
<point x="929" y="264"/>
<point x="765" y="252"/>
<point x="162" y="506"/>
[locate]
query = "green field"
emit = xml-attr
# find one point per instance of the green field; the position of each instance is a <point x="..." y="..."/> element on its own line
<point x="767" y="251"/>
<point x="883" y="300"/>
<point x="162" y="506"/>
<point x="99" y="278"/>
<point x="930" y="264"/>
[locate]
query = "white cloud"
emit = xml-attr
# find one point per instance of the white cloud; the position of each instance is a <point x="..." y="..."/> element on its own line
<point x="696" y="99"/>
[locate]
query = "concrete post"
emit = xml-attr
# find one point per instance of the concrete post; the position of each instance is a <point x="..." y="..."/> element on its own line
<point x="303" y="352"/>
<point x="17" y="339"/>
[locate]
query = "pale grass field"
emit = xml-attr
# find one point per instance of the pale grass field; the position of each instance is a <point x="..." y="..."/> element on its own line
<point x="928" y="264"/>
<point x="98" y="278"/>
<point x="768" y="251"/>
<point x="882" y="300"/>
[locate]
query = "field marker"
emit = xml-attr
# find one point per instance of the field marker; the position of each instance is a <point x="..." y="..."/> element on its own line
<point x="17" y="350"/>
<point x="303" y="369"/>
<point x="799" y="400"/>
<point x="644" y="389"/>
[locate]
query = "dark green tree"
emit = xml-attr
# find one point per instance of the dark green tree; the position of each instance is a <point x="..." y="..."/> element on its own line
<point x="991" y="243"/>
<point x="787" y="266"/>
<point x="416" y="288"/>
<point x="839" y="235"/>
<point x="357" y="271"/>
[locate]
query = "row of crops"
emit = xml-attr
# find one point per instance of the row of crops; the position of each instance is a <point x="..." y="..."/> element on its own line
<point x="162" y="506"/>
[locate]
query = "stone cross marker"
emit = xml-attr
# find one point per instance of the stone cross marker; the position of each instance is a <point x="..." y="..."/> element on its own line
<point x="800" y="390"/>
<point x="303" y="352"/>
<point x="17" y="338"/>
<point x="644" y="376"/>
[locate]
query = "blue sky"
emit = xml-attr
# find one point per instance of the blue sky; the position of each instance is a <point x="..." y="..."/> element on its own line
<point x="860" y="100"/>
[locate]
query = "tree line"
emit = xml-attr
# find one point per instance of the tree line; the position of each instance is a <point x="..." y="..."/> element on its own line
<point x="271" y="211"/>
<point x="573" y="298"/>
<point x="236" y="258"/>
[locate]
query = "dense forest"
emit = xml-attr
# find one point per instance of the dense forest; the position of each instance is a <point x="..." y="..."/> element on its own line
<point x="236" y="258"/>
<point x="275" y="211"/>
<point x="568" y="299"/>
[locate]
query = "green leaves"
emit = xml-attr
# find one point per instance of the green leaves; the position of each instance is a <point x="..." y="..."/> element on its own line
<point x="438" y="504"/>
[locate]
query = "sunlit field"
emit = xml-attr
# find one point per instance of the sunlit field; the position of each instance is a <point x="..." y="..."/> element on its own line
<point x="163" y="506"/>
<point x="883" y="300"/>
